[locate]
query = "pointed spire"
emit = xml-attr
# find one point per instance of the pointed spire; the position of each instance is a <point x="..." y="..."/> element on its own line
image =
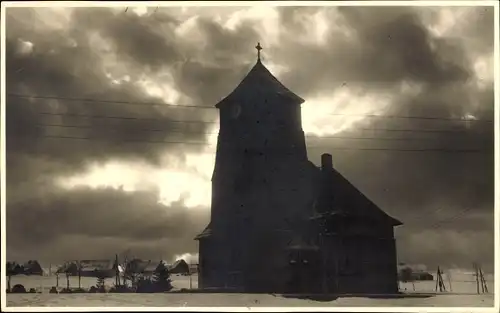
<point x="258" y="47"/>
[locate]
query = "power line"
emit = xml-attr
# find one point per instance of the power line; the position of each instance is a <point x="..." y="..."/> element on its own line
<point x="122" y="102"/>
<point x="212" y="122"/>
<point x="213" y="133"/>
<point x="108" y="101"/>
<point x="124" y="118"/>
<point x="309" y="147"/>
<point x="414" y="117"/>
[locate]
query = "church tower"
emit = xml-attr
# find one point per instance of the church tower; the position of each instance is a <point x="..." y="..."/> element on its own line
<point x="258" y="184"/>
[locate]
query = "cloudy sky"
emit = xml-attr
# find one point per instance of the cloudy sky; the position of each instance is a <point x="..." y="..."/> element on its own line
<point x="136" y="174"/>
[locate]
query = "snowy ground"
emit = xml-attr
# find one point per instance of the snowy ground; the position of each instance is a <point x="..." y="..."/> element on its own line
<point x="234" y="300"/>
<point x="462" y="295"/>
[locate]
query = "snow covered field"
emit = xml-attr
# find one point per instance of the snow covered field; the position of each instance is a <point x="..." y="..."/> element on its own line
<point x="462" y="295"/>
<point x="234" y="300"/>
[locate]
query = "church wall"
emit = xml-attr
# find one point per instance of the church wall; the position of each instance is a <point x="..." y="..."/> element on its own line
<point x="212" y="263"/>
<point x="268" y="260"/>
<point x="204" y="263"/>
<point x="361" y="263"/>
<point x="273" y="205"/>
<point x="214" y="260"/>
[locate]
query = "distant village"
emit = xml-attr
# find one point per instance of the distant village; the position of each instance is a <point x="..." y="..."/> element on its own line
<point x="135" y="275"/>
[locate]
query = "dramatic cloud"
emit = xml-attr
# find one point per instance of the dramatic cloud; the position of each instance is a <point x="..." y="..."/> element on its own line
<point x="139" y="177"/>
<point x="93" y="215"/>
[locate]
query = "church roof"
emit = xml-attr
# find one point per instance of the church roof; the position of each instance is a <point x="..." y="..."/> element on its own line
<point x="347" y="200"/>
<point x="205" y="233"/>
<point x="259" y="81"/>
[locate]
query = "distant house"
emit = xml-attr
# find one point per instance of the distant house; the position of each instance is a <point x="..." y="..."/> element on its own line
<point x="32" y="267"/>
<point x="97" y="268"/>
<point x="138" y="266"/>
<point x="89" y="268"/>
<point x="179" y="267"/>
<point x="145" y="267"/>
<point x="422" y="276"/>
<point x="412" y="273"/>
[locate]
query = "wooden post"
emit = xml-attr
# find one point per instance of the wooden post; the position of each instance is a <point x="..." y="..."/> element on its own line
<point x="190" y="275"/>
<point x="482" y="279"/>
<point x="190" y="278"/>
<point x="437" y="279"/>
<point x="449" y="280"/>
<point x="79" y="275"/>
<point x="443" y="286"/>
<point x="476" y="273"/>
<point x="484" y="286"/>
<point x="117" y="271"/>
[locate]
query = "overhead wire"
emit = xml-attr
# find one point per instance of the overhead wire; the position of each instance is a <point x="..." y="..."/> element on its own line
<point x="123" y="102"/>
<point x="164" y="130"/>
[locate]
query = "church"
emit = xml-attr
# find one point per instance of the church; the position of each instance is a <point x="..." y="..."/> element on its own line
<point x="279" y="223"/>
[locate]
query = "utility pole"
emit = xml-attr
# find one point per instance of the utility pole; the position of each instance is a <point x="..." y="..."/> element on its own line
<point x="117" y="271"/>
<point x="190" y="276"/>
<point x="439" y="281"/>
<point x="79" y="264"/>
<point x="67" y="280"/>
<point x="483" y="281"/>
<point x="449" y="280"/>
<point x="476" y="273"/>
<point x="480" y="279"/>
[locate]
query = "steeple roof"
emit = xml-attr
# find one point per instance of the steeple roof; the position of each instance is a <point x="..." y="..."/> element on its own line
<point x="259" y="82"/>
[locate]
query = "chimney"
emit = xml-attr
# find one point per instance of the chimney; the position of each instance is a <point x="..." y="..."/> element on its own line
<point x="326" y="162"/>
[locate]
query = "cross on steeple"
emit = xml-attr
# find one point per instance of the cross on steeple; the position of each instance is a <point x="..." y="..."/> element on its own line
<point x="258" y="47"/>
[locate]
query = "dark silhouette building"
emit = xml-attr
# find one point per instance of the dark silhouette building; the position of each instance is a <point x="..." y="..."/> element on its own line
<point x="179" y="267"/>
<point x="32" y="267"/>
<point x="278" y="222"/>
